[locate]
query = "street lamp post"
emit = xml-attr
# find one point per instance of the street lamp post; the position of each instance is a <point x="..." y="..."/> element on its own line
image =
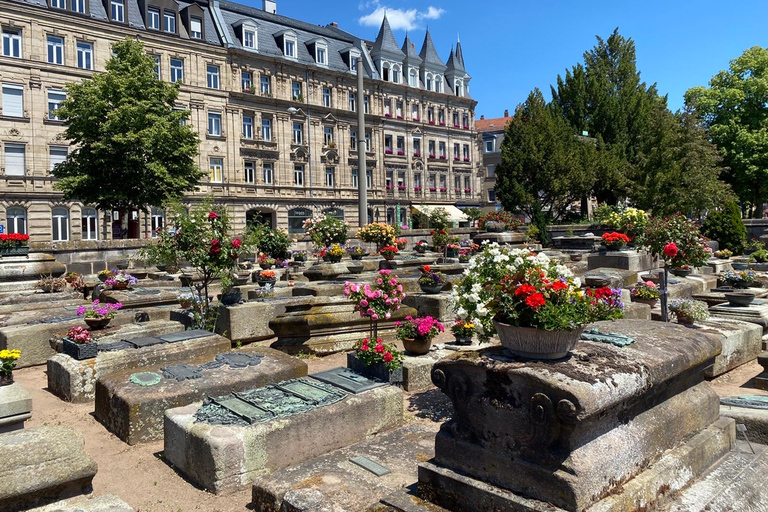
<point x="293" y="111"/>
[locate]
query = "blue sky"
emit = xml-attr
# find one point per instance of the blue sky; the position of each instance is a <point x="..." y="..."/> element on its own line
<point x="511" y="46"/>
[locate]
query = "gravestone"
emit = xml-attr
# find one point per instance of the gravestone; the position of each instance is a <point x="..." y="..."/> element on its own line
<point x="756" y="313"/>
<point x="636" y="261"/>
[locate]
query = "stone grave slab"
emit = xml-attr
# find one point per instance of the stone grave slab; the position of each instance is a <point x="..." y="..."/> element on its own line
<point x="254" y="432"/>
<point x="636" y="261"/>
<point x="417" y="370"/>
<point x="718" y="265"/>
<point x="586" y="243"/>
<point x="141" y="296"/>
<point x="134" y="412"/>
<point x="740" y="341"/>
<point x="249" y="321"/>
<point x="615" y="278"/>
<point x="27" y="268"/>
<point x="716" y="296"/>
<point x="105" y="503"/>
<point x="75" y="381"/>
<point x="572" y="431"/>
<point x="325" y="271"/>
<point x="42" y="465"/>
<point x="405" y="264"/>
<point x="756" y="313"/>
<point x="436" y="305"/>
<point x="503" y="238"/>
<point x="347" y="380"/>
<point x="15" y="407"/>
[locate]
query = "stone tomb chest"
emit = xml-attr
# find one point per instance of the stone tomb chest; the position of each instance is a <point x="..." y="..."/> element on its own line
<point x="573" y="431"/>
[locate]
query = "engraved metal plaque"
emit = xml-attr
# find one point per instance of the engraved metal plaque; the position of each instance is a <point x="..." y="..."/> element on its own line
<point x="185" y="335"/>
<point x="239" y="359"/>
<point x="145" y="378"/>
<point x="243" y="409"/>
<point x="347" y="380"/>
<point x="182" y="372"/>
<point x="748" y="401"/>
<point x="369" y="465"/>
<point x="114" y="346"/>
<point x="144" y="341"/>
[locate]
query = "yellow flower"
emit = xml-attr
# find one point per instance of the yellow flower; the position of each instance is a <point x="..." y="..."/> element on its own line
<point x="10" y="354"/>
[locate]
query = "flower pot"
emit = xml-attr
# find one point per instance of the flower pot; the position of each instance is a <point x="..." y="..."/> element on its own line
<point x="533" y="343"/>
<point x="463" y="340"/>
<point x="417" y="346"/>
<point x="615" y="247"/>
<point x="265" y="282"/>
<point x="494" y="227"/>
<point x="97" y="323"/>
<point x="576" y="257"/>
<point x="14" y="251"/>
<point x="375" y="371"/>
<point x="681" y="272"/>
<point x="452" y="253"/>
<point x="739" y="299"/>
<point x="186" y="304"/>
<point x="432" y="289"/>
<point x="683" y="319"/>
<point x="231" y="297"/>
<point x="120" y="286"/>
<point x="356" y="257"/>
<point x="388" y="257"/>
<point x="650" y="302"/>
<point x="739" y="265"/>
<point x="334" y="259"/>
<point x="421" y="249"/>
<point x="80" y="351"/>
<point x="6" y="379"/>
<point x="355" y="268"/>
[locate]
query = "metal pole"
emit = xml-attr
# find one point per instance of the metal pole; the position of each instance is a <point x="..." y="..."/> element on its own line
<point x="664" y="285"/>
<point x="362" y="173"/>
<point x="309" y="142"/>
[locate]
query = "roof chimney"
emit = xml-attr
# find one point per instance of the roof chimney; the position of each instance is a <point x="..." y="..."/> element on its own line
<point x="482" y="117"/>
<point x="334" y="24"/>
<point x="506" y="113"/>
<point x="270" y="6"/>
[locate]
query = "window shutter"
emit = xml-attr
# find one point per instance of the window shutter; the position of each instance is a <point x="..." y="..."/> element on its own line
<point x="13" y="101"/>
<point x="14" y="160"/>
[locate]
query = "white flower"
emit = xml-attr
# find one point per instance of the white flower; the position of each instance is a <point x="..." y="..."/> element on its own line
<point x="482" y="310"/>
<point x="577" y="282"/>
<point x="477" y="288"/>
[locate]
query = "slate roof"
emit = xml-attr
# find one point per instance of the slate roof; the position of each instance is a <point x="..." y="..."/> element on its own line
<point x="454" y="64"/>
<point x="460" y="55"/>
<point x="428" y="53"/>
<point x="409" y="50"/>
<point x="385" y="42"/>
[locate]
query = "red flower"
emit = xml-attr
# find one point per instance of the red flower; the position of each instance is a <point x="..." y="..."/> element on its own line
<point x="236" y="243"/>
<point x="380" y="348"/>
<point x="524" y="289"/>
<point x="387" y="357"/>
<point x="535" y="300"/>
<point x="426" y="268"/>
<point x="364" y="348"/>
<point x="215" y="248"/>
<point x="670" y="250"/>
<point x="559" y="285"/>
<point x="213" y="215"/>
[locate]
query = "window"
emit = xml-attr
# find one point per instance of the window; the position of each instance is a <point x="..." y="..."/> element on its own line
<point x="59" y="4"/>
<point x="321" y="55"/>
<point x="457" y="184"/>
<point x="327" y="135"/>
<point x="399" y="109"/>
<point x="55" y="50"/>
<point x="249" y="172"/>
<point x="84" y="55"/>
<point x="388" y="180"/>
<point x="401" y="145"/>
<point x="367" y="104"/>
<point x="352" y="140"/>
<point x="214" y="124"/>
<point x="432" y="182"/>
<point x="432" y="153"/>
<point x="266" y="129"/>
<point x="416" y="147"/>
<point x="247" y="127"/>
<point x="429" y="83"/>
<point x="353" y="63"/>
<point x="153" y="18"/>
<point x="118" y="10"/>
<point x="327" y="97"/>
<point x="465" y="121"/>
<point x="412" y="78"/>
<point x="417" y="180"/>
<point x="443" y="183"/>
<point x="368" y="146"/>
<point x="395" y="74"/>
<point x="290" y="48"/>
<point x="89" y="224"/>
<point x="491" y="195"/>
<point x="78" y="6"/>
<point x="177" y="70"/>
<point x="491" y="172"/>
<point x="216" y="167"/>
<point x="465" y="152"/>
<point x="431" y="115"/>
<point x="352" y="102"/>
<point x="60" y="224"/>
<point x="441" y="117"/>
<point x="195" y="28"/>
<point x="13" y="101"/>
<point x="55" y="99"/>
<point x="266" y="88"/>
<point x="388" y="107"/>
<point x="388" y="144"/>
<point x="15" y="160"/>
<point x="298" y="133"/>
<point x="246" y="81"/>
<point x="489" y="146"/>
<point x="12" y="42"/>
<point x="385" y="72"/>
<point x="157" y="65"/>
<point x="169" y="22"/>
<point x="455" y="151"/>
<point x="212" y="75"/>
<point x="57" y="155"/>
<point x="296" y="91"/>
<point x="415" y="112"/>
<point x="330" y="177"/>
<point x="16" y="220"/>
<point x="355" y="182"/>
<point x="182" y="121"/>
<point x="401" y="180"/>
<point x="269" y="173"/>
<point x="369" y="179"/>
<point x="249" y="38"/>
<point x="441" y="146"/>
<point x="296" y="218"/>
<point x="467" y="184"/>
<point x="298" y="175"/>
<point x="158" y="221"/>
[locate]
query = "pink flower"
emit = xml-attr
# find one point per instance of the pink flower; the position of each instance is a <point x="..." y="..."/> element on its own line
<point x="374" y="316"/>
<point x="213" y="215"/>
<point x="393" y="281"/>
<point x="236" y="243"/>
<point x="364" y="303"/>
<point x="379" y="281"/>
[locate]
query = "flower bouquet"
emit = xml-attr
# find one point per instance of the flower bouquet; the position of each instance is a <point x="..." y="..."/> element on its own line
<point x="689" y="311"/>
<point x="645" y="292"/>
<point x="98" y="315"/>
<point x="614" y="241"/>
<point x="377" y="301"/>
<point x="417" y="333"/>
<point x="723" y="254"/>
<point x="120" y="280"/>
<point x="421" y="246"/>
<point x="335" y="252"/>
<point x="78" y="344"/>
<point x="463" y="330"/>
<point x="401" y="243"/>
<point x="378" y="360"/>
<point x="739" y="278"/>
<point x="389" y="252"/>
<point x="431" y="281"/>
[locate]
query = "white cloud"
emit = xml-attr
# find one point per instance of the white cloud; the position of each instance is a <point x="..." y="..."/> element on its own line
<point x="399" y="19"/>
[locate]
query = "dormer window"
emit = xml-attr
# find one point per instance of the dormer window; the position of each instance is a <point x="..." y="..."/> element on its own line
<point x="289" y="45"/>
<point x="196" y="28"/>
<point x="353" y="63"/>
<point x="59" y="4"/>
<point x="321" y="55"/>
<point x="249" y="38"/>
<point x="153" y="18"/>
<point x="78" y="6"/>
<point x="248" y="32"/>
<point x="117" y="10"/>
<point x="169" y="22"/>
<point x="351" y="56"/>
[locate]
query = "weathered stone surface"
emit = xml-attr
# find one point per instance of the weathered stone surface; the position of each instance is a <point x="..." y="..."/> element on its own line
<point x="135" y="413"/>
<point x="636" y="261"/>
<point x="15" y="407"/>
<point x="637" y="311"/>
<point x="344" y="484"/>
<point x="504" y="238"/>
<point x="249" y="321"/>
<point x="754" y="313"/>
<point x="683" y="287"/>
<point x="740" y="341"/>
<point x="435" y="305"/>
<point x="75" y="381"/>
<point x="587" y="243"/>
<point x="713" y="298"/>
<point x="570" y="431"/>
<point x="141" y="296"/>
<point x="325" y="271"/>
<point x="224" y="458"/>
<point x="756" y="421"/>
<point x="105" y="503"/>
<point x="615" y="278"/>
<point x="404" y="265"/>
<point x="42" y="465"/>
<point x="30" y="267"/>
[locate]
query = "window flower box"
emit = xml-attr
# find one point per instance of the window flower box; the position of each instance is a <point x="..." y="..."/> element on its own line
<point x="401" y="187"/>
<point x="390" y="187"/>
<point x="387" y="114"/>
<point x="455" y="125"/>
<point x="416" y="153"/>
<point x="466" y="159"/>
<point x="433" y="189"/>
<point x="432" y="155"/>
<point x="417" y="189"/>
<point x="431" y="122"/>
<point x="399" y="117"/>
<point x="388" y="151"/>
<point x="442" y="157"/>
<point x="443" y="189"/>
<point x="442" y="123"/>
<point x="456" y="159"/>
<point x="466" y="127"/>
<point x="467" y="190"/>
<point x="401" y="153"/>
<point x="457" y="190"/>
<point x="415" y="119"/>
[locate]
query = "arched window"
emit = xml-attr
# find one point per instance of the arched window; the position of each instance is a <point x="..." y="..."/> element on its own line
<point x="60" y="224"/>
<point x="16" y="220"/>
<point x="335" y="212"/>
<point x="90" y="224"/>
<point x="296" y="218"/>
<point x="396" y="74"/>
<point x="385" y="71"/>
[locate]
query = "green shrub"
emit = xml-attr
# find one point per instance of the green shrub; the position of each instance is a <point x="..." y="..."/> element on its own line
<point x="725" y="226"/>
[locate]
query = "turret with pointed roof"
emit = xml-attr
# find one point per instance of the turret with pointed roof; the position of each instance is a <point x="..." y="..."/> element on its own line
<point x="387" y="55"/>
<point x="429" y="55"/>
<point x="455" y="74"/>
<point x="432" y="68"/>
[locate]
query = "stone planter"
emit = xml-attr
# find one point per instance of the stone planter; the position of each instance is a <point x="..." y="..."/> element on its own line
<point x="494" y="227"/>
<point x="80" y="351"/>
<point x="417" y="346"/>
<point x="120" y="286"/>
<point x="739" y="265"/>
<point x="681" y="272"/>
<point x="740" y="299"/>
<point x="231" y="297"/>
<point x="14" y="251"/>
<point x="97" y="323"/>
<point x="376" y="371"/>
<point x="613" y="247"/>
<point x="650" y="302"/>
<point x="533" y="343"/>
<point x="431" y="289"/>
<point x="421" y="249"/>
<point x="6" y="379"/>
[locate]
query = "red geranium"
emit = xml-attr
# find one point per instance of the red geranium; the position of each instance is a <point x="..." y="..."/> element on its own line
<point x="535" y="300"/>
<point x="213" y="215"/>
<point x="670" y="250"/>
<point x="524" y="289"/>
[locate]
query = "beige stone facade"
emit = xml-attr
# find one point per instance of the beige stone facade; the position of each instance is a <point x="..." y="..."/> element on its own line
<point x="257" y="171"/>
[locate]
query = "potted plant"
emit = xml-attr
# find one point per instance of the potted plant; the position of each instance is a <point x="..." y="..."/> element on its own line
<point x="266" y="262"/>
<point x="431" y="282"/>
<point x="300" y="256"/>
<point x="99" y="314"/>
<point x="335" y="252"/>
<point x="421" y="246"/>
<point x="79" y="344"/>
<point x="401" y="243"/>
<point x="739" y="278"/>
<point x="267" y="277"/>
<point x="186" y="299"/>
<point x="723" y="254"/>
<point x="376" y="301"/>
<point x="327" y="230"/>
<point x="463" y="330"/>
<point x="452" y="250"/>
<point x="103" y="275"/>
<point x="417" y="333"/>
<point x="356" y="252"/>
<point x="615" y="241"/>
<point x="689" y="311"/>
<point x="378" y="360"/>
<point x="14" y="244"/>
<point x="645" y="292"/>
<point x="50" y="284"/>
<point x="759" y="256"/>
<point x="377" y="233"/>
<point x="120" y="280"/>
<point x="8" y="360"/>
<point x="388" y="252"/>
<point x="682" y="271"/>
<point x="464" y="256"/>
<point x="230" y="292"/>
<point x="71" y="277"/>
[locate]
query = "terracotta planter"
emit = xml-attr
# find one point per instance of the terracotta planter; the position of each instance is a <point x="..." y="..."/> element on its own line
<point x="80" y="351"/>
<point x="97" y="323"/>
<point x="388" y="258"/>
<point x="433" y="289"/>
<point x="417" y="346"/>
<point x="650" y="302"/>
<point x="683" y="320"/>
<point x="533" y="343"/>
